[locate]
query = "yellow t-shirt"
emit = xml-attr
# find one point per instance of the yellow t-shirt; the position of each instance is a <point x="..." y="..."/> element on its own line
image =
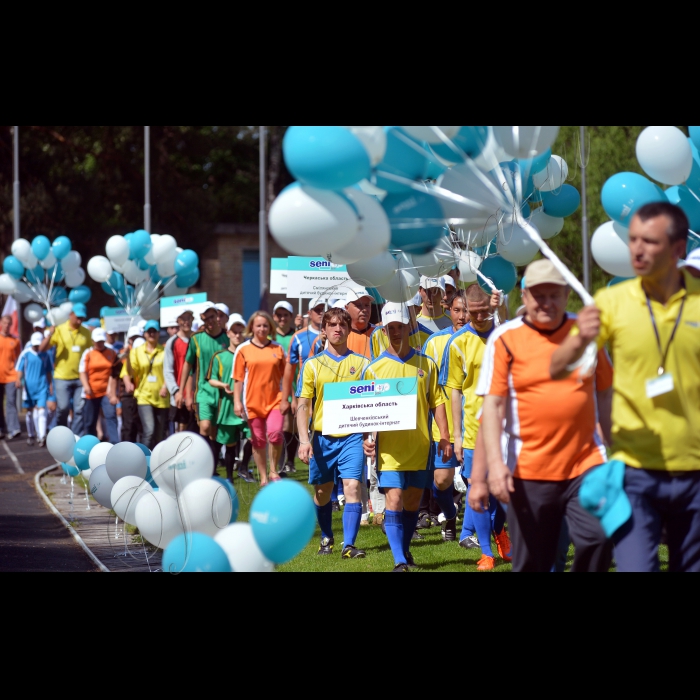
<point x="434" y="348"/>
<point x="408" y="450"/>
<point x="379" y="342"/>
<point x="323" y="369"/>
<point x="148" y="370"/>
<point x="662" y="433"/>
<point x="70" y="346"/>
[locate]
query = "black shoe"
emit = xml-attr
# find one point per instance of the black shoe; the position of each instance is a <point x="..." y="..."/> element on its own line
<point x="290" y="468"/>
<point x="326" y="547"/>
<point x="425" y="522"/>
<point x="449" y="530"/>
<point x="470" y="542"/>
<point x="417" y="536"/>
<point x="351" y="552"/>
<point x="410" y="561"/>
<point x="435" y="521"/>
<point x="400" y="569"/>
<point x="335" y="507"/>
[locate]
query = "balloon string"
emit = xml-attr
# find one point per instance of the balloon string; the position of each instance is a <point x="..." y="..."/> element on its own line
<point x="53" y="279"/>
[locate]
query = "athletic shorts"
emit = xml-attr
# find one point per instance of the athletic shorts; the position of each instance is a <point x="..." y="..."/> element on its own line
<point x="36" y="399"/>
<point x="181" y="415"/>
<point x="206" y="411"/>
<point x="405" y="480"/>
<point x="268" y="429"/>
<point x="231" y="434"/>
<point x="436" y="459"/>
<point x="467" y="467"/>
<point x="336" y="458"/>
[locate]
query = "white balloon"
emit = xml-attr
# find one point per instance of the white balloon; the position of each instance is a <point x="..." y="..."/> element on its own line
<point x="553" y="176"/>
<point x="491" y="155"/>
<point x="23" y="293"/>
<point x="525" y="141"/>
<point x="163" y="248"/>
<point x="469" y="263"/>
<point x="242" y="550"/>
<point x="305" y="220"/>
<point x="98" y="454"/>
<point x="439" y="261"/>
<point x="611" y="252"/>
<point x="206" y="506"/>
<point x="22" y="250"/>
<point x="8" y="284"/>
<point x="404" y="284"/>
<point x="60" y="443"/>
<point x="172" y="290"/>
<point x="665" y="154"/>
<point x="66" y="307"/>
<point x="547" y="226"/>
<point x="48" y="261"/>
<point x="373" y="233"/>
<point x="126" y="459"/>
<point x="158" y="518"/>
<point x="372" y="272"/>
<point x="481" y="236"/>
<point x="428" y="134"/>
<point x="56" y="316"/>
<point x="482" y="191"/>
<point x="72" y="261"/>
<point x="130" y="270"/>
<point x="99" y="269"/>
<point x="373" y="138"/>
<point x="516" y="246"/>
<point x="180" y="460"/>
<point x="117" y="249"/>
<point x="74" y="278"/>
<point x="33" y="313"/>
<point x="126" y="494"/>
<point x="86" y="474"/>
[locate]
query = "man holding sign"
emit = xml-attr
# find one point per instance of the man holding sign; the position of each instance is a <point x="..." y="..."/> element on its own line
<point x="403" y="456"/>
<point x="332" y="456"/>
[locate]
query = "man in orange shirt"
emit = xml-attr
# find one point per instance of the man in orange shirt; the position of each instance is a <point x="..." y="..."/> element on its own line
<point x="550" y="428"/>
<point x="9" y="354"/>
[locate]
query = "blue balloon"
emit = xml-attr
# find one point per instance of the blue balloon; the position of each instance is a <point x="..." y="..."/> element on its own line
<point x="501" y="272"/>
<point x="41" y="247"/>
<point x="417" y="221"/>
<point x="562" y="203"/>
<point x="35" y="275"/>
<point x="143" y="448"/>
<point x="618" y="280"/>
<point x="234" y="497"/>
<point x="531" y="166"/>
<point x="283" y="519"/>
<point x="187" y="279"/>
<point x="470" y="139"/>
<point x="117" y="281"/>
<point x="327" y="157"/>
<point x="149" y="476"/>
<point x="194" y="552"/>
<point x="139" y="244"/>
<point x="186" y="261"/>
<point x="71" y="471"/>
<point x="155" y="277"/>
<point x="81" y="451"/>
<point x="58" y="296"/>
<point x="55" y="273"/>
<point x="378" y="298"/>
<point x="142" y="264"/>
<point x="683" y="197"/>
<point x="435" y="167"/>
<point x="404" y="157"/>
<point x="80" y="295"/>
<point x="13" y="267"/>
<point x="512" y="170"/>
<point x="693" y="181"/>
<point x="694" y="132"/>
<point x="106" y="289"/>
<point x="624" y="193"/>
<point x="61" y="247"/>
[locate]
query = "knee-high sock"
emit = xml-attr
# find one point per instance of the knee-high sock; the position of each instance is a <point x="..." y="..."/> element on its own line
<point x="229" y="459"/>
<point x="445" y="501"/>
<point x="468" y="522"/>
<point x="40" y="422"/>
<point x="352" y="514"/>
<point x="498" y="516"/>
<point x="324" y="516"/>
<point x="216" y="449"/>
<point x="247" y="455"/>
<point x="482" y="525"/>
<point x="410" y="520"/>
<point x="31" y="432"/>
<point x="393" y="523"/>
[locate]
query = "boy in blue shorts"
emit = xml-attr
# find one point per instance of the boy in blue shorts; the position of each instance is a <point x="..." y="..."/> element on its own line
<point x="35" y="368"/>
<point x="404" y="456"/>
<point x="332" y="457"/>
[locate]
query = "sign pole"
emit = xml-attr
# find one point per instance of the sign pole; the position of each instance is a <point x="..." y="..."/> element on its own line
<point x="15" y="214"/>
<point x="584" y="218"/>
<point x="147" y="178"/>
<point x="263" y="218"/>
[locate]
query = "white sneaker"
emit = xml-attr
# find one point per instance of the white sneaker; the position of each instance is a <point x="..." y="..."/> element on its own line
<point x="341" y="500"/>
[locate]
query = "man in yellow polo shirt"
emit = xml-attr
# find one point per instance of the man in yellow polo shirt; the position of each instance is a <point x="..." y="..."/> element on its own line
<point x="71" y="339"/>
<point x="652" y="327"/>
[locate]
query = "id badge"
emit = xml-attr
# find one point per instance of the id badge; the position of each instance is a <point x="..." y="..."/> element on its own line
<point x="77" y="348"/>
<point x="659" y="386"/>
<point x="152" y="379"/>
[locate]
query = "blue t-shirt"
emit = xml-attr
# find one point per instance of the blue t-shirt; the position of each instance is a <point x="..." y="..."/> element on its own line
<point x="35" y="367"/>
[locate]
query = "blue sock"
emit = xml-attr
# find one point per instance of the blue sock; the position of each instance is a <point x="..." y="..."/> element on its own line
<point x="324" y="515"/>
<point x="352" y="514"/>
<point x="498" y="516"/>
<point x="482" y="525"/>
<point x="468" y="522"/>
<point x="410" y="520"/>
<point x="445" y="501"/>
<point x="393" y="523"/>
<point x="334" y="495"/>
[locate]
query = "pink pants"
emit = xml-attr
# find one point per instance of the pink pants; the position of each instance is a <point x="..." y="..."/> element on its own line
<point x="270" y="429"/>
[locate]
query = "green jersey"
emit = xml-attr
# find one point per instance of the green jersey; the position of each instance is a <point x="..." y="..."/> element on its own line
<point x="221" y="368"/>
<point x="200" y="352"/>
<point x="284" y="341"/>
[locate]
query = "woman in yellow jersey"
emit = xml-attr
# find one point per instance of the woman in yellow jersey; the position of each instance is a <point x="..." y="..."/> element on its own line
<point x="146" y="363"/>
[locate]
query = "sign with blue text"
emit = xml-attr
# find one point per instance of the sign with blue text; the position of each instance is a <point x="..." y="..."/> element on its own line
<point x="117" y="320"/>
<point x="172" y="307"/>
<point x="317" y="278"/>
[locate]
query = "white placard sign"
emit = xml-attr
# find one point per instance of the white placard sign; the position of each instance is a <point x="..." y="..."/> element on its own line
<point x="316" y="278"/>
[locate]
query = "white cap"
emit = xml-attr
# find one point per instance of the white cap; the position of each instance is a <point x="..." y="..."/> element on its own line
<point x="447" y="280"/>
<point x="223" y="308"/>
<point x="395" y="313"/>
<point x="134" y="331"/>
<point x="432" y="283"/>
<point x="41" y="323"/>
<point x="338" y="304"/>
<point x="182" y="312"/>
<point x="283" y="305"/>
<point x="415" y="301"/>
<point x="138" y="343"/>
<point x="37" y="339"/>
<point x="357" y="293"/>
<point x="142" y="324"/>
<point x="233" y="320"/>
<point x="206" y="307"/>
<point x="313" y="303"/>
<point x="693" y="260"/>
<point x="99" y="335"/>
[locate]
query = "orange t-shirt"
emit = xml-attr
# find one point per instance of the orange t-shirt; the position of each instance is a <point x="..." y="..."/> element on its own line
<point x="358" y="342"/>
<point x="261" y="370"/>
<point x="99" y="367"/>
<point x="9" y="354"/>
<point x="550" y="425"/>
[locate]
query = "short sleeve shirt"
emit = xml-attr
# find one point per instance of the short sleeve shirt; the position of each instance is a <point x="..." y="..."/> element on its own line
<point x="70" y="346"/>
<point x="261" y="370"/>
<point x="148" y="368"/>
<point x="201" y="349"/>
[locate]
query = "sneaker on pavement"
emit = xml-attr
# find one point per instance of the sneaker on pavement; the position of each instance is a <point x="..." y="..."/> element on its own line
<point x="401" y="568"/>
<point x="410" y="561"/>
<point x="30" y="441"/>
<point x="470" y="542"/>
<point x="327" y="544"/>
<point x="425" y="522"/>
<point x="504" y="546"/>
<point x="351" y="552"/>
<point x="42" y="442"/>
<point x="12" y="436"/>
<point x="449" y="530"/>
<point x="290" y="468"/>
<point x="486" y="563"/>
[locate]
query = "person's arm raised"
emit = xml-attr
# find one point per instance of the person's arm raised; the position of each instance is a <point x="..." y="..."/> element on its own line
<point x="573" y="347"/>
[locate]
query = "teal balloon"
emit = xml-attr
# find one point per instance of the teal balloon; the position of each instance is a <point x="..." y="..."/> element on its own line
<point x="435" y="167"/>
<point x="693" y="181"/>
<point x="13" y="267"/>
<point x="194" y="552"/>
<point x="143" y="448"/>
<point x="58" y="296"/>
<point x="187" y="261"/>
<point x="624" y="193"/>
<point x="684" y="198"/>
<point x="512" y="171"/>
<point x="501" y="272"/>
<point x="327" y="157"/>
<point x="149" y="476"/>
<point x="82" y="449"/>
<point x="80" y="295"/>
<point x="378" y="298"/>
<point x="561" y="203"/>
<point x="106" y="289"/>
<point x="531" y="166"/>
<point x="618" y="280"/>
<point x="234" y="497"/>
<point x="694" y="132"/>
<point x="283" y="519"/>
<point x="41" y="247"/>
<point x="416" y="220"/>
<point x="71" y="471"/>
<point x="55" y="273"/>
<point x="155" y="277"/>
<point x="470" y="139"/>
<point x="35" y="275"/>
<point x="139" y="245"/>
<point x="404" y="157"/>
<point x="61" y="247"/>
<point x="117" y="281"/>
<point x="142" y="264"/>
<point x="187" y="279"/>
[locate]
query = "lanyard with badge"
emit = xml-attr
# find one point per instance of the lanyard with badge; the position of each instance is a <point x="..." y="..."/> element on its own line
<point x="76" y="347"/>
<point x="152" y="379"/>
<point x="663" y="384"/>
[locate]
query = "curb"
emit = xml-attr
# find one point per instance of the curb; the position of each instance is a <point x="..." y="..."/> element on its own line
<point x="71" y="529"/>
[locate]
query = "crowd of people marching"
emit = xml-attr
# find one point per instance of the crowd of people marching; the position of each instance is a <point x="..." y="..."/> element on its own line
<point x="514" y="423"/>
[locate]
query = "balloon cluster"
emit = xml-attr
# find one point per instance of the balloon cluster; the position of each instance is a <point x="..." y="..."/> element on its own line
<point x="140" y="268"/>
<point x="666" y="155"/>
<point x="397" y="202"/>
<point x="171" y="497"/>
<point x="42" y="272"/>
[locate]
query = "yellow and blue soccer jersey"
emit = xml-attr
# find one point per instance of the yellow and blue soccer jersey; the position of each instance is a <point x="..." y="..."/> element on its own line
<point x="461" y="365"/>
<point x="434" y="348"/>
<point x="408" y="450"/>
<point x="323" y="369"/>
<point x="379" y="342"/>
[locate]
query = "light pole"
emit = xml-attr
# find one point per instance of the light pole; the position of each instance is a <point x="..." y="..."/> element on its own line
<point x="15" y="215"/>
<point x="147" y="178"/>
<point x="263" y="217"/>
<point x="584" y="218"/>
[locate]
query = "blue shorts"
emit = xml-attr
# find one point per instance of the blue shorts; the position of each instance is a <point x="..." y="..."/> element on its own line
<point x="36" y="399"/>
<point x="405" y="480"/>
<point x="467" y="467"/>
<point x="436" y="459"/>
<point x="336" y="458"/>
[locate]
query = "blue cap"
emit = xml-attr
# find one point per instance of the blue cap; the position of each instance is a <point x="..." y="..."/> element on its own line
<point x="93" y="323"/>
<point x="152" y="326"/>
<point x="602" y="494"/>
<point x="80" y="310"/>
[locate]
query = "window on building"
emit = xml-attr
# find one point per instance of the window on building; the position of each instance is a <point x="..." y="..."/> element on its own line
<point x="251" y="282"/>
